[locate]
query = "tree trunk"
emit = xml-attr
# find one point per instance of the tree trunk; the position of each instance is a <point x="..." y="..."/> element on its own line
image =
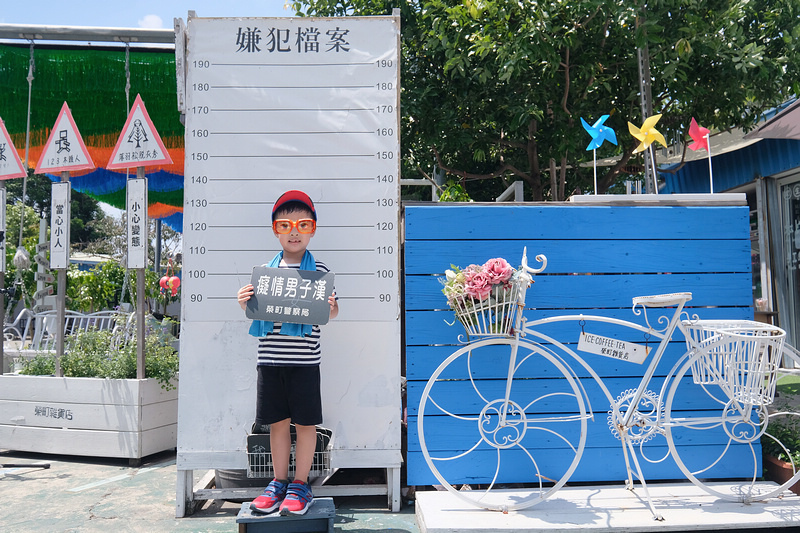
<point x="535" y="181"/>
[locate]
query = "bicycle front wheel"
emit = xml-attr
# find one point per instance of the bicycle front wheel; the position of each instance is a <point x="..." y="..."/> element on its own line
<point x="716" y="437"/>
<point x="499" y="443"/>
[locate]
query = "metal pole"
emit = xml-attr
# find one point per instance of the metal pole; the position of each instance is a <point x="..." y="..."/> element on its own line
<point x="140" y="301"/>
<point x="61" y="302"/>
<point x="710" y="172"/>
<point x="645" y="96"/>
<point x="158" y="248"/>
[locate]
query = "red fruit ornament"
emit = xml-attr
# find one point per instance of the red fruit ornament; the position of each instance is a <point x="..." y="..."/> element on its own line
<point x="169" y="283"/>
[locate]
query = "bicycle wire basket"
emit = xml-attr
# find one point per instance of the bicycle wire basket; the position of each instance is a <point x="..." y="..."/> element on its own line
<point x="493" y="315"/>
<point x="740" y="356"/>
<point x="259" y="456"/>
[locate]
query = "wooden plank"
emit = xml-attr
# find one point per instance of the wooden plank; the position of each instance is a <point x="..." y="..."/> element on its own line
<point x="92" y="443"/>
<point x="438" y="327"/>
<point x="492" y="363"/>
<point x="612" y="508"/>
<point x="156" y="415"/>
<point x="367" y="458"/>
<point x="596" y="464"/>
<point x="514" y="222"/>
<point x="449" y="435"/>
<point x="79" y="390"/>
<point x="151" y="391"/>
<point x="53" y="414"/>
<point x="469" y="397"/>
<point x="123" y="444"/>
<point x="159" y="439"/>
<point x="566" y="292"/>
<point x="582" y="256"/>
<point x="680" y="200"/>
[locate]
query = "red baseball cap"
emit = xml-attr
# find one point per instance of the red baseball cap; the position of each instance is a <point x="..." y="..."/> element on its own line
<point x="294" y="196"/>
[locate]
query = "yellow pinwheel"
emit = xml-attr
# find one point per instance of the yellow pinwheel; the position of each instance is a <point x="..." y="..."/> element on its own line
<point x="647" y="133"/>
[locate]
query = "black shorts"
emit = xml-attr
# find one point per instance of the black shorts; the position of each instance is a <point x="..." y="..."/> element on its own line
<point x="288" y="392"/>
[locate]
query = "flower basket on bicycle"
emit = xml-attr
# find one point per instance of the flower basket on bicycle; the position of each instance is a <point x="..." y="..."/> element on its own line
<point x="740" y="356"/>
<point x="486" y="298"/>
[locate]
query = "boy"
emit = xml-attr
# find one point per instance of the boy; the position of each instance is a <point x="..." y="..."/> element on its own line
<point x="288" y="386"/>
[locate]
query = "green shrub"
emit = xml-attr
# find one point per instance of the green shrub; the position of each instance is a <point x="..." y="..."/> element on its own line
<point x="787" y="431"/>
<point x="92" y="355"/>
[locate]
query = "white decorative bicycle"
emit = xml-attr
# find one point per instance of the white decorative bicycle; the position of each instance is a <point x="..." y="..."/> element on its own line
<point x="714" y="407"/>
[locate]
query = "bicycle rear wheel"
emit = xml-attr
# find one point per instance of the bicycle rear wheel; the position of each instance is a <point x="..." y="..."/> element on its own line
<point x="495" y="454"/>
<point x="716" y="436"/>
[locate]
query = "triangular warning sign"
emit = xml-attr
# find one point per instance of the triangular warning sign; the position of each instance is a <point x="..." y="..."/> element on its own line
<point x="64" y="149"/>
<point x="139" y="145"/>
<point x="10" y="165"/>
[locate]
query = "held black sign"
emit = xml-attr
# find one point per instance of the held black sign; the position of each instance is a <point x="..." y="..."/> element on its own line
<point x="290" y="295"/>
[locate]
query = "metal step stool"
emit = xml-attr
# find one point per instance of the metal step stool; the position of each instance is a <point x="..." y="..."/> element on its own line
<point x="318" y="518"/>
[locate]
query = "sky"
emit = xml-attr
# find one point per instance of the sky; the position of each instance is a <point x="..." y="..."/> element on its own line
<point x="132" y="14"/>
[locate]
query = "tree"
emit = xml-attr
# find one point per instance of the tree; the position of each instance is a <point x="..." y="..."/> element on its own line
<point x="517" y="77"/>
<point x="84" y="210"/>
<point x="114" y="242"/>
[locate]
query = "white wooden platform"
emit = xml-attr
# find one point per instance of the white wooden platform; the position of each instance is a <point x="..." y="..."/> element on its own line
<point x="610" y="508"/>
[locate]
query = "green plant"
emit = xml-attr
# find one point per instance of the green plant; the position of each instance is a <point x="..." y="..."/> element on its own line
<point x="95" y="289"/>
<point x="102" y="287"/>
<point x="454" y="191"/>
<point x="785" y="441"/>
<point x="93" y="354"/>
<point x="41" y="364"/>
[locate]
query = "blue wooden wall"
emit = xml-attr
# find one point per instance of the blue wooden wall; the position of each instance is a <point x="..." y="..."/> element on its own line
<point x="599" y="257"/>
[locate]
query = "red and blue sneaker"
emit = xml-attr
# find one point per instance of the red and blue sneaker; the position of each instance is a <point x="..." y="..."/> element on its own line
<point x="272" y="498"/>
<point x="298" y="499"/>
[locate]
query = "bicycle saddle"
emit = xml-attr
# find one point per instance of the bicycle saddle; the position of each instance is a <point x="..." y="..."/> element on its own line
<point x="663" y="300"/>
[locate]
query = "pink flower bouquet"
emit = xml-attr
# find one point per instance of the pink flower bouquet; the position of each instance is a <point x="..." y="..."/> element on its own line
<point x="484" y="297"/>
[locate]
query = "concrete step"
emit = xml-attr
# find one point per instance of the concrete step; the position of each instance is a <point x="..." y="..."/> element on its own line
<point x="610" y="508"/>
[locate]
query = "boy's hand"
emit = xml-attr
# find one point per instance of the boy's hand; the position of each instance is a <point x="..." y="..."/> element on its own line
<point x="334" y="305"/>
<point x="244" y="294"/>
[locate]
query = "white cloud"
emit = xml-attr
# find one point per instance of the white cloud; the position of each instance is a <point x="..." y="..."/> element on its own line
<point x="151" y="21"/>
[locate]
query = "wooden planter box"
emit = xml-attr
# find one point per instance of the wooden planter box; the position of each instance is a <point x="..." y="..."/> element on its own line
<point x="125" y="418"/>
<point x="779" y="472"/>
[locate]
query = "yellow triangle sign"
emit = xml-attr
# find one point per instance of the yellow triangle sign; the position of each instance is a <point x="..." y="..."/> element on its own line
<point x="139" y="145"/>
<point x="10" y="165"/>
<point x="64" y="150"/>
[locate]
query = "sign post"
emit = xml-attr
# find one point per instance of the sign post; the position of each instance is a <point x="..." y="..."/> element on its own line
<point x="63" y="152"/>
<point x="10" y="167"/>
<point x="138" y="145"/>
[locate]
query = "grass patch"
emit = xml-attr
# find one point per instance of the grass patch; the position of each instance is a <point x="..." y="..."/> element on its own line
<point x="788" y="385"/>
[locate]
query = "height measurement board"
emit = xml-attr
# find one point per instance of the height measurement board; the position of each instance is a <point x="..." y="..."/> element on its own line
<point x="291" y="103"/>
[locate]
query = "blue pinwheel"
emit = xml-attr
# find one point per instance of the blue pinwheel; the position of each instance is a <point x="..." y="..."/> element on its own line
<point x="599" y="133"/>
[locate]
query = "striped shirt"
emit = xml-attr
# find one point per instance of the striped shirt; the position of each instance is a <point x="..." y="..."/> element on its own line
<point x="284" y="350"/>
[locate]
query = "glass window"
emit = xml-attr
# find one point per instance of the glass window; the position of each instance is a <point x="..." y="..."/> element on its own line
<point x="787" y="260"/>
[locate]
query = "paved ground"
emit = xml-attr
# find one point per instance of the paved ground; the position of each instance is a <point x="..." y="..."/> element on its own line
<point x="79" y="494"/>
